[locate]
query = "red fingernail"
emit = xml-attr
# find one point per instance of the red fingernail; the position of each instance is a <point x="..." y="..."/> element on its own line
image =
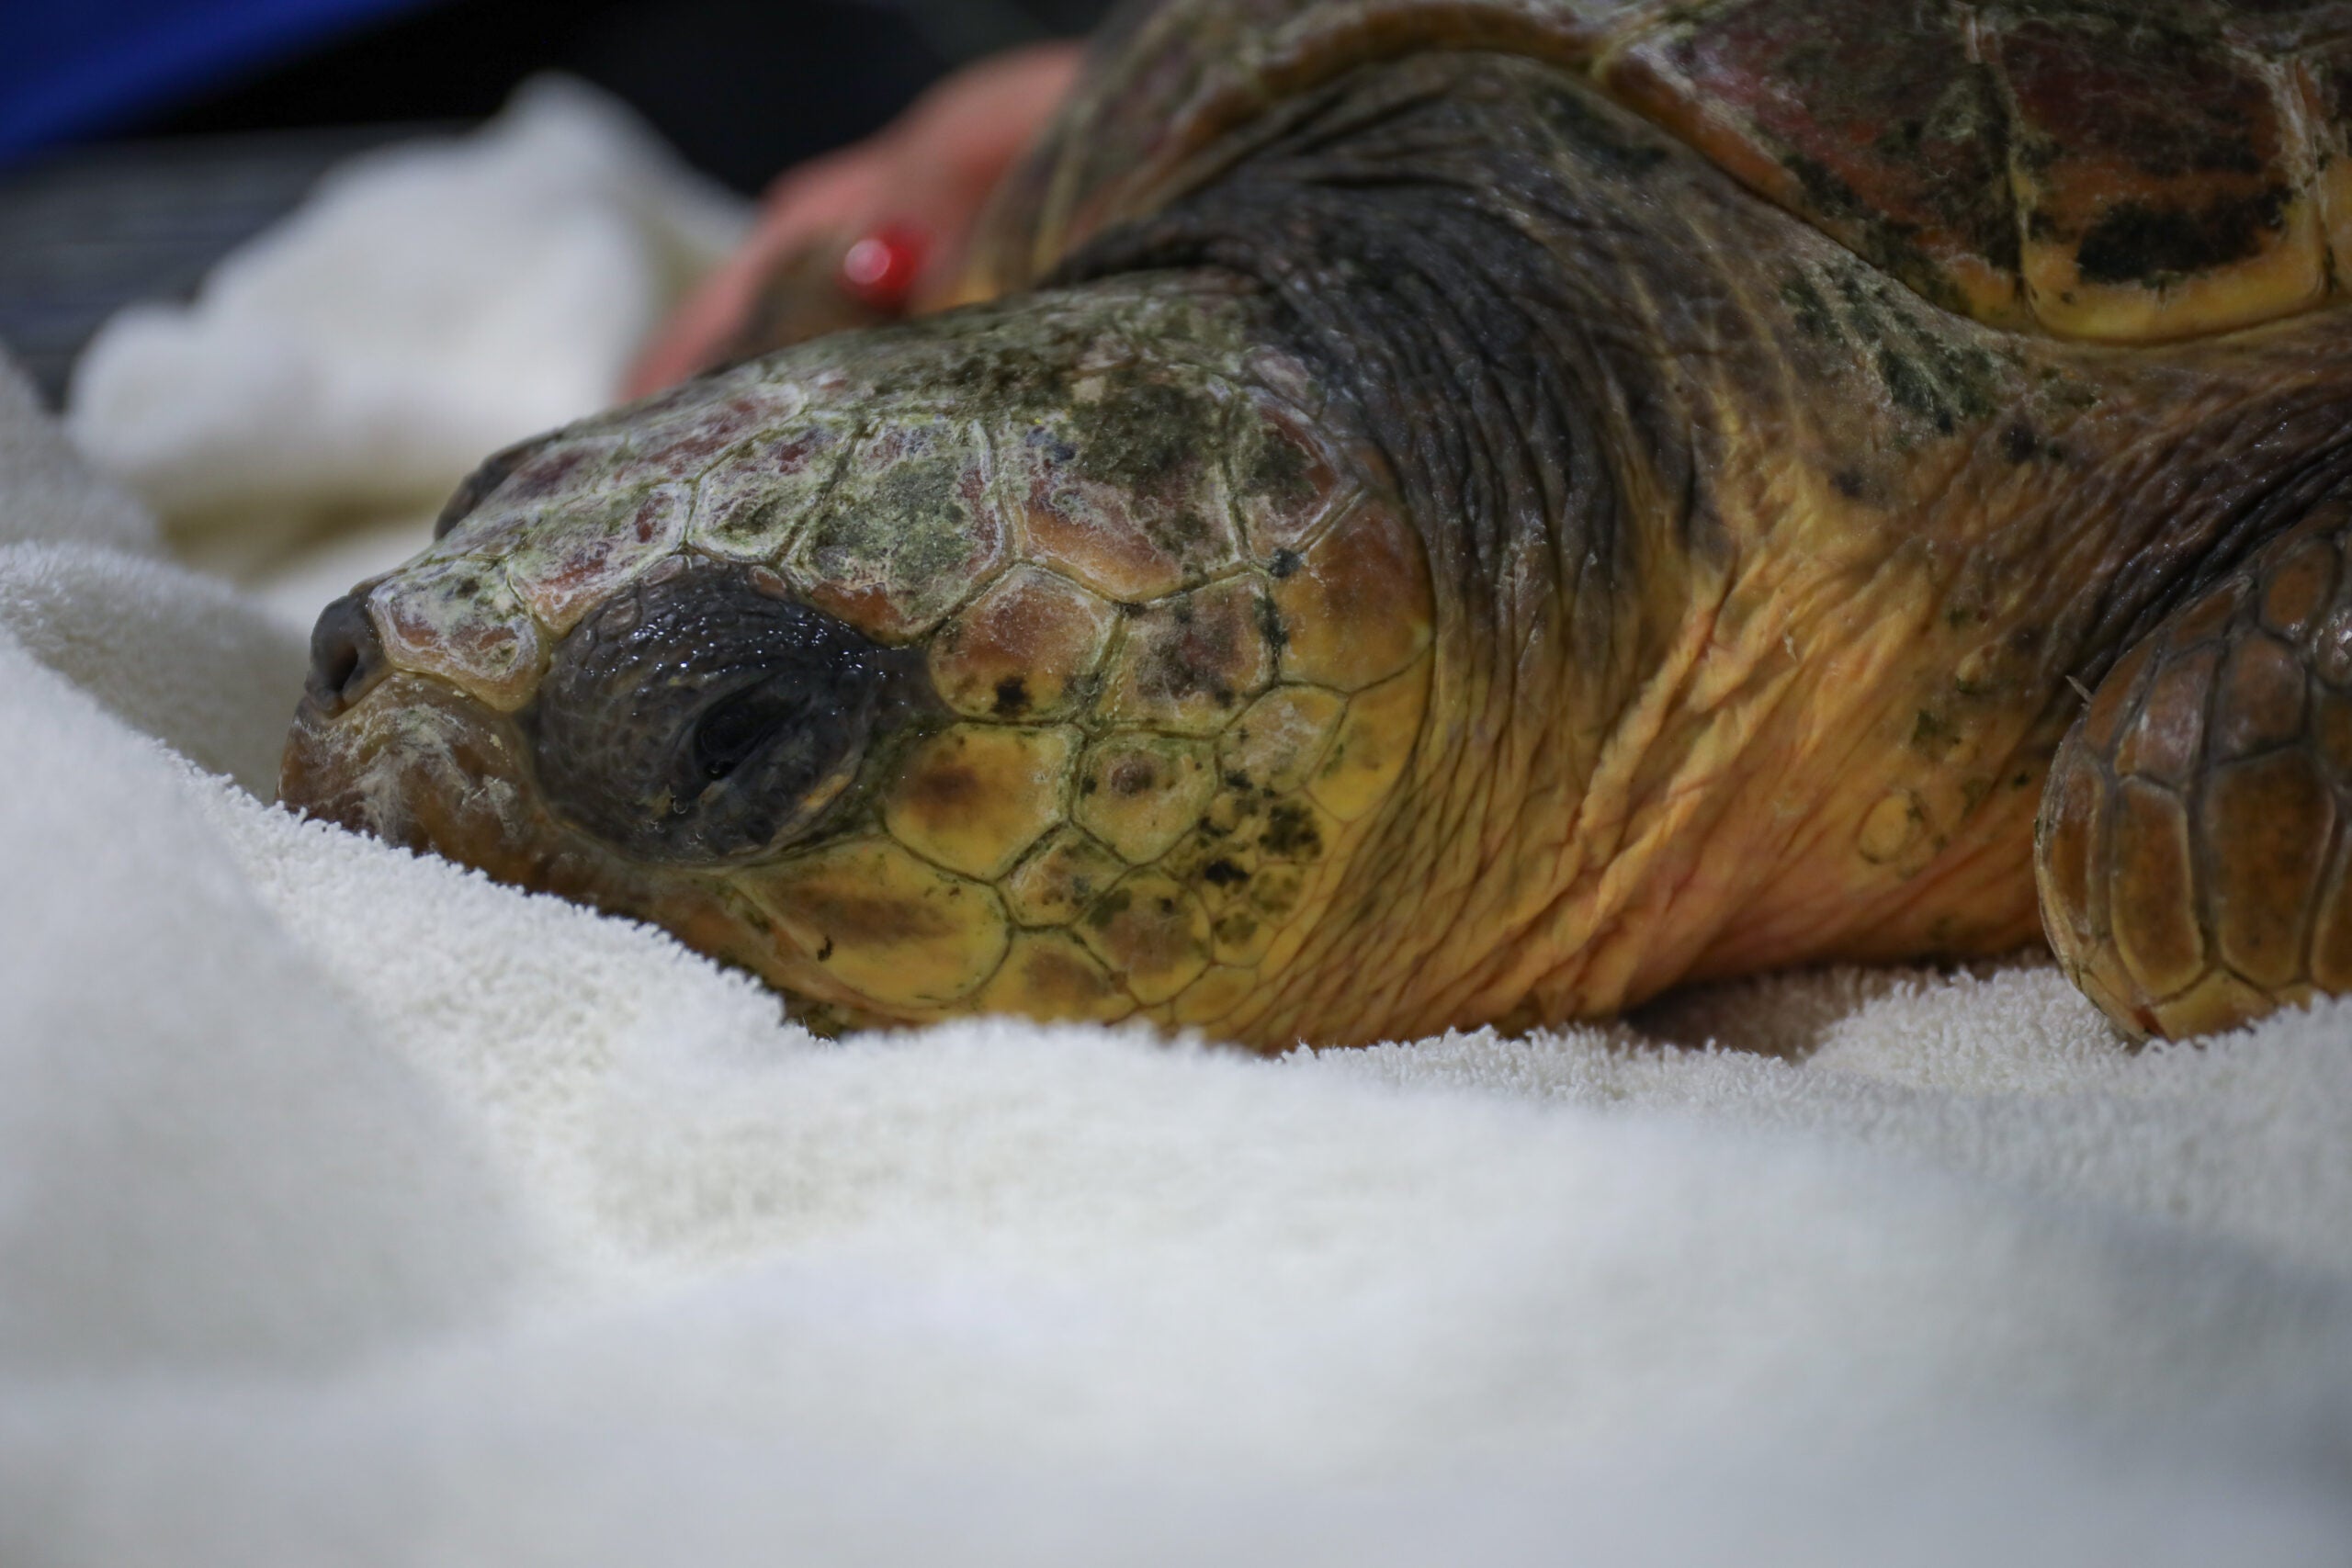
<point x="879" y="270"/>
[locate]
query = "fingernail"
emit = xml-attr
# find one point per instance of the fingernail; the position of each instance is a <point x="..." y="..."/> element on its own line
<point x="878" y="271"/>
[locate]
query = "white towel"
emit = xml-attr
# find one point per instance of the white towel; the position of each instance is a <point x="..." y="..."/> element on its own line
<point x="430" y="302"/>
<point x="356" y="1210"/>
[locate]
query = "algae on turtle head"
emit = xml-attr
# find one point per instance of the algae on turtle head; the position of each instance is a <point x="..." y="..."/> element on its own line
<point x="1453" y="513"/>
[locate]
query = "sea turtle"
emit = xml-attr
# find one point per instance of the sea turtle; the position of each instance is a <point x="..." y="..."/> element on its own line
<point x="1433" y="513"/>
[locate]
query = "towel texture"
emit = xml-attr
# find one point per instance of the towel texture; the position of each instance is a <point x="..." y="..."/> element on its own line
<point x="353" y="1209"/>
<point x="430" y="302"/>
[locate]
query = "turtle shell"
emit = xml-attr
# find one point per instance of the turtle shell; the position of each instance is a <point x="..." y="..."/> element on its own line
<point x="2115" y="170"/>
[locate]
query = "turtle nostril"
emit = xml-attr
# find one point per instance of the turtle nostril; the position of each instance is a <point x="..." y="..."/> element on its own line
<point x="345" y="657"/>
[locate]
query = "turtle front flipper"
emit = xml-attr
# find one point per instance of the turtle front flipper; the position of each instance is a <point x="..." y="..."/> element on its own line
<point x="2191" y="850"/>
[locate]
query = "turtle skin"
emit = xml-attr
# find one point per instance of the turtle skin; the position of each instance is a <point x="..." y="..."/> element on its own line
<point x="1437" y="516"/>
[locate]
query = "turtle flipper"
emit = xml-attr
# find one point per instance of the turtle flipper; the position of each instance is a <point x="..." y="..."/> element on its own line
<point x="2193" y="852"/>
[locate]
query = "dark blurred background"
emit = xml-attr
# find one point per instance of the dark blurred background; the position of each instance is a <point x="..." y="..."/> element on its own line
<point x="139" y="140"/>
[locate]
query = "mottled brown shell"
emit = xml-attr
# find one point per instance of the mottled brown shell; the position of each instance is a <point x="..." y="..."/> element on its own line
<point x="2117" y="170"/>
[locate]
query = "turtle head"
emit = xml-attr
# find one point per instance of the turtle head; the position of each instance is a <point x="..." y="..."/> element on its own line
<point x="1055" y="658"/>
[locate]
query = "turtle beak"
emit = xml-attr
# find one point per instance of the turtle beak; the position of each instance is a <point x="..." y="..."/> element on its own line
<point x="409" y="759"/>
<point x="420" y="764"/>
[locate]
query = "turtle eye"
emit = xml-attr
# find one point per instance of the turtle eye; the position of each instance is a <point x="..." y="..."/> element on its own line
<point x="778" y="729"/>
<point x="697" y="718"/>
<point x="733" y="730"/>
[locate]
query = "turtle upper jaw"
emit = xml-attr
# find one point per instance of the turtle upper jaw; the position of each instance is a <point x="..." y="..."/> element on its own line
<point x="418" y="763"/>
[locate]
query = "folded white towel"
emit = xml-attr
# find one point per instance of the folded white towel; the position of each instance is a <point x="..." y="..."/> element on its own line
<point x="353" y="1209"/>
<point x="430" y="302"/>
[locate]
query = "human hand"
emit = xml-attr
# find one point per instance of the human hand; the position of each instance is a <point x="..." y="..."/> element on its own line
<point x="916" y="188"/>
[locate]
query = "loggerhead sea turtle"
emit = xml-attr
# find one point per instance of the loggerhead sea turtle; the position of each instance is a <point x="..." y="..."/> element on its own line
<point x="1434" y="513"/>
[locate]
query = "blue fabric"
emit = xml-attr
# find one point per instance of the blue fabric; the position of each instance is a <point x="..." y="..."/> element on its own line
<point x="73" y="65"/>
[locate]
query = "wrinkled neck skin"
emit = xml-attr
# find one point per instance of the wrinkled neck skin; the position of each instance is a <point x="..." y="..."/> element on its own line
<point x="1763" y="587"/>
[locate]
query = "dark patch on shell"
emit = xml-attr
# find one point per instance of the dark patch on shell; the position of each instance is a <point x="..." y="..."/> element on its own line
<point x="2135" y="243"/>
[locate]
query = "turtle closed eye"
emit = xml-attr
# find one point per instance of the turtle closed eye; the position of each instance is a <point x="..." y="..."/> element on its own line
<point x="699" y="720"/>
<point x="730" y="733"/>
<point x="734" y="729"/>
